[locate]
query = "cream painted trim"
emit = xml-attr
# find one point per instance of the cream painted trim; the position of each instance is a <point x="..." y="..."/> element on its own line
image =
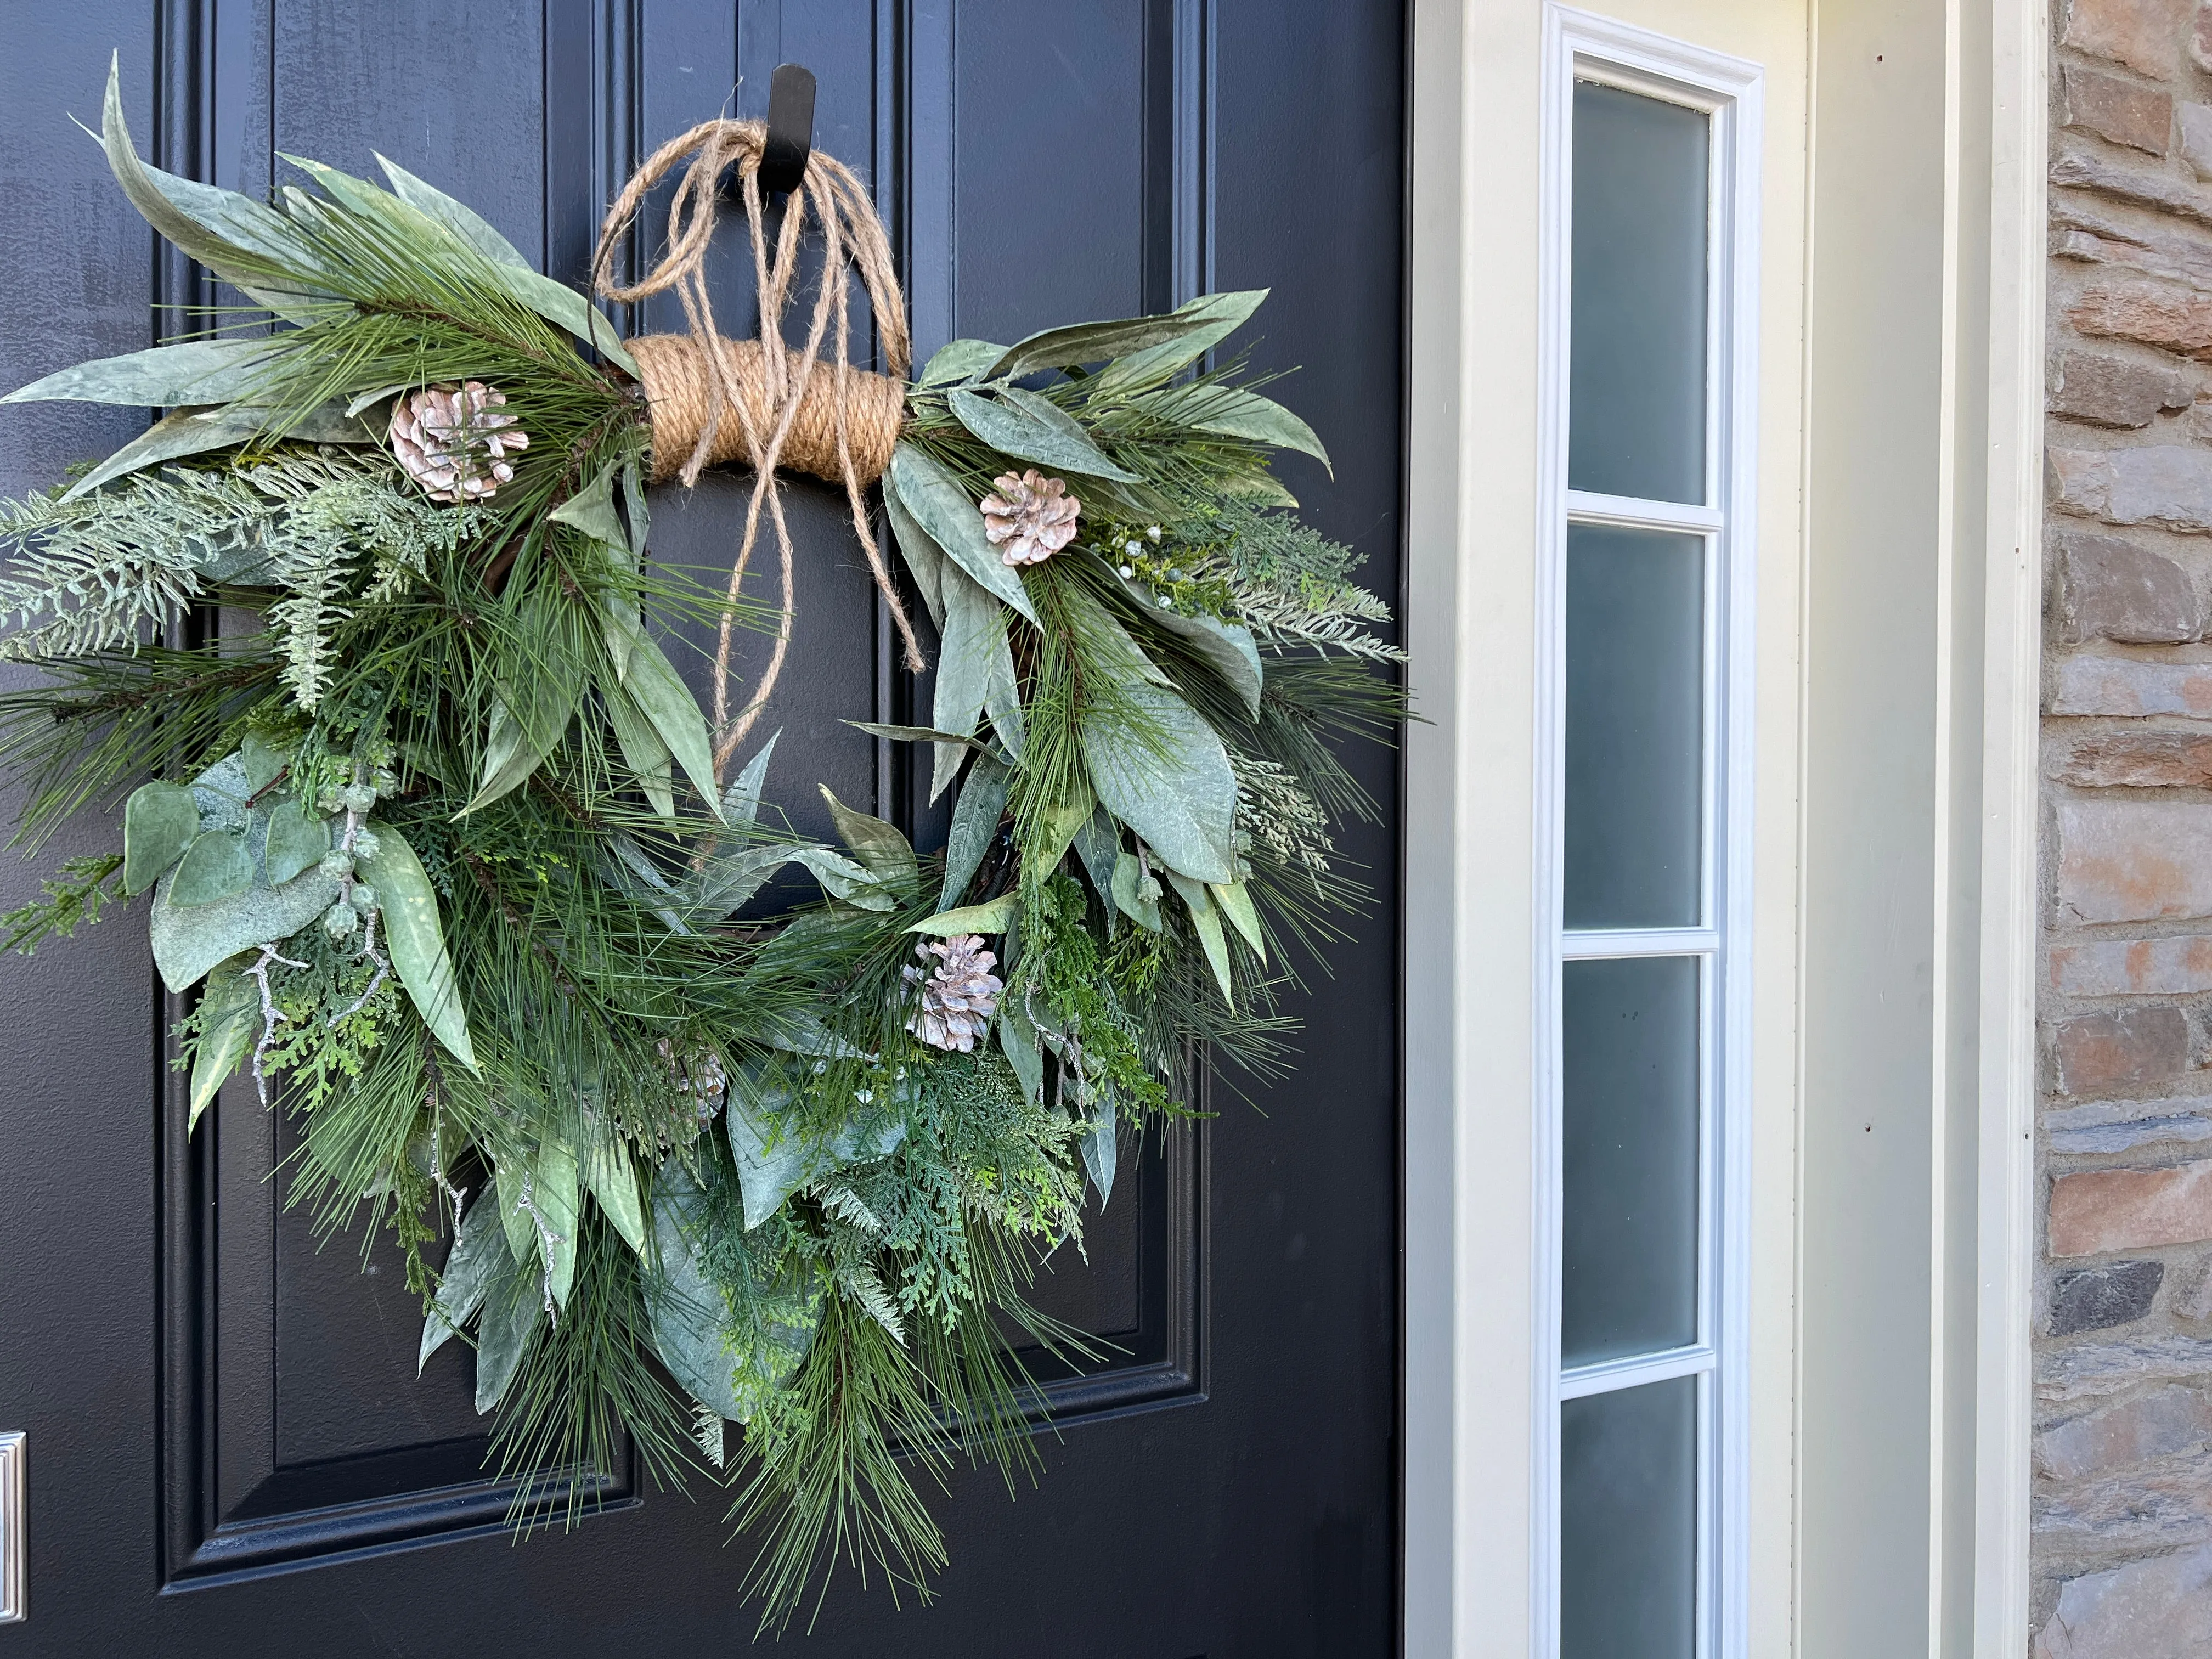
<point x="2012" y="638"/>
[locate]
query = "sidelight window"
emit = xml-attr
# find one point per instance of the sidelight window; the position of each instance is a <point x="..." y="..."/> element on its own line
<point x="1643" y="933"/>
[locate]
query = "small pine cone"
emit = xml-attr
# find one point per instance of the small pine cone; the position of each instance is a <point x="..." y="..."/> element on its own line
<point x="959" y="995"/>
<point x="454" y="442"/>
<point x="1031" y="518"/>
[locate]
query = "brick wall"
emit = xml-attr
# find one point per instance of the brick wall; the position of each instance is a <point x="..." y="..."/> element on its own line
<point x="2122" y="1452"/>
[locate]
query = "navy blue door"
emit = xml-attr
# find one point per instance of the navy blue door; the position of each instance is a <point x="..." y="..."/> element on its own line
<point x="229" y="1452"/>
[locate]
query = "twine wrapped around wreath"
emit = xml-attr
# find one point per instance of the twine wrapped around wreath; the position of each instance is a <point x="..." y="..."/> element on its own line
<point x="716" y="400"/>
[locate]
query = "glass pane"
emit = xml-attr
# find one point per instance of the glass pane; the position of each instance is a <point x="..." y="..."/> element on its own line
<point x="1630" y="1077"/>
<point x="1635" y="726"/>
<point x="1636" y="397"/>
<point x="1628" y="1523"/>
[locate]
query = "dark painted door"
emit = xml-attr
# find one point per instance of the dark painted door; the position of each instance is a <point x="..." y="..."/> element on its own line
<point x="230" y="1454"/>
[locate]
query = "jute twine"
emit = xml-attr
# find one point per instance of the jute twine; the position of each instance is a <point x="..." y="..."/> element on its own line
<point x="717" y="399"/>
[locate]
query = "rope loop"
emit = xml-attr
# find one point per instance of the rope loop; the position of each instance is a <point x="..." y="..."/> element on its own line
<point x="788" y="407"/>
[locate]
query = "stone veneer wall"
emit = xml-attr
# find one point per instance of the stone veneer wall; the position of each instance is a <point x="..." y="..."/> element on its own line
<point x="2123" y="1450"/>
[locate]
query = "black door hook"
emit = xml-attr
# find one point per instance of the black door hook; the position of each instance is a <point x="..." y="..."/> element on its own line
<point x="790" y="128"/>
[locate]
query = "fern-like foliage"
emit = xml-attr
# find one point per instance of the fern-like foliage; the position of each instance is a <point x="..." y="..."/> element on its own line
<point x="1294" y="587"/>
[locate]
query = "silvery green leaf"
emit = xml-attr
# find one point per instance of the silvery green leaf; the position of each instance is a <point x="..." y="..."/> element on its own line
<point x="196" y="431"/>
<point x="514" y="1305"/>
<point x="643" y="751"/>
<point x="922" y="734"/>
<point x="842" y="879"/>
<point x="187" y="941"/>
<point x="1021" y="428"/>
<point x="1002" y="695"/>
<point x="1225" y="648"/>
<point x="638" y="509"/>
<point x="665" y="701"/>
<point x="592" y="510"/>
<point x="1087" y="343"/>
<point x="1223" y="314"/>
<point x="564" y="308"/>
<point x="1206" y="921"/>
<point x="691" y="1312"/>
<point x="993" y="917"/>
<point x="507" y="1172"/>
<point x="741" y="801"/>
<point x="613" y="1183"/>
<point x="772" y="1163"/>
<point x="216" y="865"/>
<point x="409" y="906"/>
<point x="974" y="631"/>
<point x="1017" y="1040"/>
<point x="796" y="1031"/>
<point x="730" y="879"/>
<point x="1128" y="892"/>
<point x="886" y="853"/>
<point x="221" y="793"/>
<point x="1098" y="1146"/>
<point x="1237" y="413"/>
<point x="1121" y="658"/>
<point x="478" y="1254"/>
<point x="159" y="822"/>
<point x="952" y="520"/>
<point x="297" y="839"/>
<point x="959" y="360"/>
<point x="923" y="556"/>
<point x="555" y="1191"/>
<point x="234" y="236"/>
<point x="1234" y="899"/>
<point x="197" y="371"/>
<point x="230" y="1015"/>
<point x="262" y="761"/>
<point x="1099" y="844"/>
<point x="1170" y="782"/>
<point x="975" y="816"/>
<point x="458" y="217"/>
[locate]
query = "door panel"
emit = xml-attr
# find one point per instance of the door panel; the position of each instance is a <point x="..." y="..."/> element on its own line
<point x="231" y="1450"/>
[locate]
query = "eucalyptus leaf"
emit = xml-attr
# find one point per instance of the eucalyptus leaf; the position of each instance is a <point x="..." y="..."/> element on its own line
<point x="263" y="762"/>
<point x="1234" y="899"/>
<point x="1089" y="343"/>
<point x="613" y="1183"/>
<point x="1018" y="1040"/>
<point x="1236" y="413"/>
<point x="774" y="1160"/>
<point x="1225" y="648"/>
<point x="959" y="360"/>
<point x="159" y="822"/>
<point x="529" y="716"/>
<point x="741" y="801"/>
<point x="198" y="372"/>
<point x="409" y="906"/>
<point x="1206" y="921"/>
<point x="923" y="556"/>
<point x="666" y="701"/>
<point x="691" y="1312"/>
<point x="1222" y="315"/>
<point x="1002" y="695"/>
<point x="975" y="816"/>
<point x="297" y="839"/>
<point x="216" y="865"/>
<point x="221" y="792"/>
<point x="189" y="940"/>
<point x="556" y="1189"/>
<point x="945" y="510"/>
<point x="882" y="850"/>
<point x="1017" y="428"/>
<point x="462" y="220"/>
<point x="643" y="751"/>
<point x="477" y="1256"/>
<point x="1170" y="782"/>
<point x="975" y="630"/>
<point x="1099" y="1148"/>
<point x="1099" y="844"/>
<point x="842" y="879"/>
<point x="634" y="505"/>
<point x="993" y="917"/>
<point x="922" y="734"/>
<point x="592" y="510"/>
<point x="230" y="1021"/>
<point x="515" y="1306"/>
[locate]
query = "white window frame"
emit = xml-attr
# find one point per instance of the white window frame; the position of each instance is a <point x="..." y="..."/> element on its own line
<point x="1581" y="47"/>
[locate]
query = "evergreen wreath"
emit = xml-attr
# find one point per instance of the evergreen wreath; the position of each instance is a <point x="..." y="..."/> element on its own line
<point x="460" y="870"/>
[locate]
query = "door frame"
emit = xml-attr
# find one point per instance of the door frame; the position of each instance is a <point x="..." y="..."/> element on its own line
<point x="1475" y="1307"/>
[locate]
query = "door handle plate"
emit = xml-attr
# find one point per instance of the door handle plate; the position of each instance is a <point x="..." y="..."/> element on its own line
<point x="13" y="1569"/>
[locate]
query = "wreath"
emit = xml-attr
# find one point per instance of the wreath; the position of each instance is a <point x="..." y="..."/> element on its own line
<point x="450" y="849"/>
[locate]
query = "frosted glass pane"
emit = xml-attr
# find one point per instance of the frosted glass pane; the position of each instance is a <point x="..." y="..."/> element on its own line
<point x="1628" y="1523"/>
<point x="1636" y="398"/>
<point x="1630" y="1221"/>
<point x="1635" y="727"/>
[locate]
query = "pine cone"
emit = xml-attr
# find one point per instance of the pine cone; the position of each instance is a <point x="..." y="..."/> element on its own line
<point x="1031" y="518"/>
<point x="959" y="995"/>
<point x="453" y="443"/>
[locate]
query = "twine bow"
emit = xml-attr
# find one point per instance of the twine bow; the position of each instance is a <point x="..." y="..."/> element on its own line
<point x="758" y="400"/>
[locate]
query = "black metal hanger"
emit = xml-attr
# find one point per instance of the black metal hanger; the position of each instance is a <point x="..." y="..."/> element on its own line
<point x="790" y="128"/>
